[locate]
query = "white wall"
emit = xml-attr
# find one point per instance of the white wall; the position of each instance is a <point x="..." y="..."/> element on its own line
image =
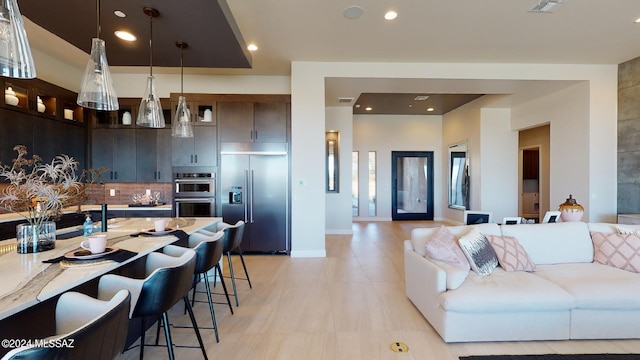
<point x="308" y="117"/>
<point x="499" y="158"/>
<point x="592" y="108"/>
<point x="132" y="85"/>
<point x="338" y="205"/>
<point x="384" y="134"/>
<point x="571" y="168"/>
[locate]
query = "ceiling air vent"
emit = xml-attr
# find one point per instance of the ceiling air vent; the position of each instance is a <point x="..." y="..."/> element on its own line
<point x="421" y="97"/>
<point x="345" y="100"/>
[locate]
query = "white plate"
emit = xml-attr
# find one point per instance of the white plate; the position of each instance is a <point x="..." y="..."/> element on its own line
<point x="87" y="255"/>
<point x="153" y="232"/>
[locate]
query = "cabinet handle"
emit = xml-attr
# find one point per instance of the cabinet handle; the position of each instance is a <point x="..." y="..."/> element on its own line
<point x="159" y="175"/>
<point x="196" y="158"/>
<point x="192" y="158"/>
<point x="116" y="174"/>
<point x="251" y="136"/>
<point x="111" y="175"/>
<point x="256" y="132"/>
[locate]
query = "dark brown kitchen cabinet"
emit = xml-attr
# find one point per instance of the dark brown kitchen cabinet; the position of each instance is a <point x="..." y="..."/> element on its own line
<point x="264" y="122"/>
<point x="44" y="137"/>
<point x="15" y="129"/>
<point x="115" y="149"/>
<point x="200" y="150"/>
<point x="153" y="155"/>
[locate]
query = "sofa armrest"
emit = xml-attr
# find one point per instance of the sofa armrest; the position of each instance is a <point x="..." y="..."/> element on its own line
<point x="424" y="282"/>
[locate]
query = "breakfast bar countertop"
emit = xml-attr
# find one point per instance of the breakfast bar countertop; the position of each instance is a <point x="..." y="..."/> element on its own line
<point x="6" y="217"/>
<point x="26" y="280"/>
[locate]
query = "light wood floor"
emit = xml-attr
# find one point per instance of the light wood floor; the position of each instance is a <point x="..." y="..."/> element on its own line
<point x="349" y="305"/>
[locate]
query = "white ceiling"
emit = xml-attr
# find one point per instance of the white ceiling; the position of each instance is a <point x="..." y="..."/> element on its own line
<point x="458" y="31"/>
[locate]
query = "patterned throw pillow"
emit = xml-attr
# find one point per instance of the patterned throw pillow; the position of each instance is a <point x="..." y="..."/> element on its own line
<point x="511" y="255"/>
<point x="479" y="252"/>
<point x="627" y="229"/>
<point x="443" y="246"/>
<point x="618" y="250"/>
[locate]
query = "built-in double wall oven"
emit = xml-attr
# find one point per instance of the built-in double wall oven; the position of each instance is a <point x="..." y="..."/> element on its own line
<point x="194" y="194"/>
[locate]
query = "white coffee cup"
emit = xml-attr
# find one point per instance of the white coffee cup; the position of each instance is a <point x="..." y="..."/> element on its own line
<point x="95" y="243"/>
<point x="160" y="225"/>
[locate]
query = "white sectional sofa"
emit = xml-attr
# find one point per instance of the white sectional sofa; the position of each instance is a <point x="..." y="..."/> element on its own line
<point x="568" y="296"/>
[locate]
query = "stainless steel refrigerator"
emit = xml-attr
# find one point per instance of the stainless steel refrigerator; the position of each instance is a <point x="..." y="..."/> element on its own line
<point x="255" y="188"/>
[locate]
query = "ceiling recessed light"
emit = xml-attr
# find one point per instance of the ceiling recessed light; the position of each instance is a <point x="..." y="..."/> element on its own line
<point x="390" y="15"/>
<point x="353" y="12"/>
<point x="368" y="108"/>
<point x="637" y="20"/>
<point x="120" y="14"/>
<point x="430" y="109"/>
<point x="125" y="35"/>
<point x="421" y="97"/>
<point x="252" y="47"/>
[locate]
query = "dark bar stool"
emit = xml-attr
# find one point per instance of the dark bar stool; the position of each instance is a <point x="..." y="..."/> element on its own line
<point x="168" y="279"/>
<point x="208" y="254"/>
<point x="96" y="329"/>
<point x="232" y="241"/>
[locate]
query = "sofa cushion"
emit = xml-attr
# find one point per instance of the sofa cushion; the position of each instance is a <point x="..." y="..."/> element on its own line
<point x="420" y="236"/>
<point x="553" y="243"/>
<point x="479" y="252"/>
<point x="617" y="250"/>
<point x="455" y="274"/>
<point x="506" y="292"/>
<point x="593" y="285"/>
<point x="511" y="255"/>
<point x="444" y="247"/>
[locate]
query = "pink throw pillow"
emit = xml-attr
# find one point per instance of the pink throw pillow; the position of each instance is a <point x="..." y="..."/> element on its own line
<point x="511" y="255"/>
<point x="444" y="247"/>
<point x="618" y="250"/>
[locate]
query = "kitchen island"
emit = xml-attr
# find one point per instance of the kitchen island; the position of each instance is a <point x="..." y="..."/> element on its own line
<point x="27" y="281"/>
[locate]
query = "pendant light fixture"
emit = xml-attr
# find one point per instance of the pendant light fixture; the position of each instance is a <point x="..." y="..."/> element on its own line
<point x="182" y="122"/>
<point x="150" y="112"/>
<point x="96" y="90"/>
<point x="16" y="60"/>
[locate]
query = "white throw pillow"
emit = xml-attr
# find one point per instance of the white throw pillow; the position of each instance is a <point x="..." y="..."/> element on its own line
<point x="478" y="250"/>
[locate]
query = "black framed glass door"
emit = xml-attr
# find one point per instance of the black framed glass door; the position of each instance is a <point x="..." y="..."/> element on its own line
<point x="412" y="181"/>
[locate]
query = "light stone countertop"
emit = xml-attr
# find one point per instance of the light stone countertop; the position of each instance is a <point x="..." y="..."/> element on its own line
<point x="15" y="216"/>
<point x="26" y="280"/>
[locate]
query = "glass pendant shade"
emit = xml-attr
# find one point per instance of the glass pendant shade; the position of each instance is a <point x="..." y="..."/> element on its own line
<point x="150" y="112"/>
<point x="182" y="122"/>
<point x="16" y="60"/>
<point x="97" y="90"/>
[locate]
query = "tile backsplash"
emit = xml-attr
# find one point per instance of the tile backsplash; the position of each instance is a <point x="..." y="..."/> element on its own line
<point x="101" y="193"/>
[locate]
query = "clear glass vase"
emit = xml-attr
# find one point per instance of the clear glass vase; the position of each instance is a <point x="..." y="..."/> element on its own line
<point x="36" y="238"/>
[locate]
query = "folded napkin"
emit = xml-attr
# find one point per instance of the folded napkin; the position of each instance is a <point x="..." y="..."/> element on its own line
<point x="119" y="255"/>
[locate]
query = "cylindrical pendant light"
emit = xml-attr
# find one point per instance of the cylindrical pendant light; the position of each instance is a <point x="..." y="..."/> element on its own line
<point x="150" y="112"/>
<point x="16" y="60"/>
<point x="96" y="90"/>
<point x="182" y="121"/>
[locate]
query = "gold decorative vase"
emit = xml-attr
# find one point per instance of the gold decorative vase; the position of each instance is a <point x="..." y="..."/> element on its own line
<point x="570" y="210"/>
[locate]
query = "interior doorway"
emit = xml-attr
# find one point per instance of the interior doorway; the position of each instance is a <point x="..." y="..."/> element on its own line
<point x="530" y="194"/>
<point x="533" y="178"/>
<point x="412" y="181"/>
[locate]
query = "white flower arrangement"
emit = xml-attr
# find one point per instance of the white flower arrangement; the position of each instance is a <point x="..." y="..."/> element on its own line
<point x="40" y="191"/>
